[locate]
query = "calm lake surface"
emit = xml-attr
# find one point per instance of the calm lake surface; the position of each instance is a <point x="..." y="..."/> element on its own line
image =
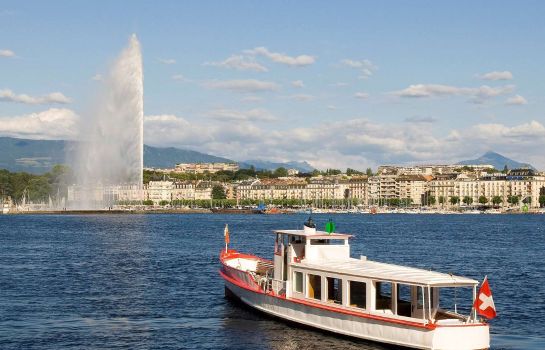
<point x="151" y="281"/>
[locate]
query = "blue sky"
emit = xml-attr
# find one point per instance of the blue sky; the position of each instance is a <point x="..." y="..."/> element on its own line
<point x="348" y="83"/>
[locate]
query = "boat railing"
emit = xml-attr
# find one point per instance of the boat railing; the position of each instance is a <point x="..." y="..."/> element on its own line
<point x="278" y="286"/>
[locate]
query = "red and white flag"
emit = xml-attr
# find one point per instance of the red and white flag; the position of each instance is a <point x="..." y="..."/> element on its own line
<point x="484" y="304"/>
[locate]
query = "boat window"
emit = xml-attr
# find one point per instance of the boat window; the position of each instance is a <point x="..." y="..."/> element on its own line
<point x="358" y="294"/>
<point x="335" y="290"/>
<point x="326" y="242"/>
<point x="404" y="300"/>
<point x="298" y="277"/>
<point x="383" y="295"/>
<point x="314" y="286"/>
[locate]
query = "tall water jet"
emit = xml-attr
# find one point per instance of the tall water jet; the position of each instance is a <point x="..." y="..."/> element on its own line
<point x="109" y="158"/>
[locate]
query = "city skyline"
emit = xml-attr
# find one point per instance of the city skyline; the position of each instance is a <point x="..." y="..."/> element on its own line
<point x="337" y="85"/>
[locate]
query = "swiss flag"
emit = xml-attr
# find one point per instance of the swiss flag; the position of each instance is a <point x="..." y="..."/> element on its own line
<point x="484" y="304"/>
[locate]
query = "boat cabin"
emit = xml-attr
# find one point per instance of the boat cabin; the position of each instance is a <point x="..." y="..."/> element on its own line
<point x="316" y="267"/>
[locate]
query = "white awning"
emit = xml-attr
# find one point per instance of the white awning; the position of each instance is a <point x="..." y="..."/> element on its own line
<point x="317" y="235"/>
<point x="388" y="272"/>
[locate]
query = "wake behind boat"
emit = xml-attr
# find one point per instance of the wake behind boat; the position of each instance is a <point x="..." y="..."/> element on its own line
<point x="312" y="280"/>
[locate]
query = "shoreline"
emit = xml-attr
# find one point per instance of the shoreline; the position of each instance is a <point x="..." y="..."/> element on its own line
<point x="208" y="211"/>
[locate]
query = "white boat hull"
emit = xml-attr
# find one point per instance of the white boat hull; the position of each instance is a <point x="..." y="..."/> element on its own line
<point x="438" y="338"/>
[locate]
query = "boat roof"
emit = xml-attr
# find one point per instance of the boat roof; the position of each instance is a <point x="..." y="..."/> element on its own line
<point x="390" y="272"/>
<point x="317" y="234"/>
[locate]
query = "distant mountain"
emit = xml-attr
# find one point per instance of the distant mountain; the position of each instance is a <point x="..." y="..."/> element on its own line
<point x="497" y="160"/>
<point x="156" y="157"/>
<point x="33" y="156"/>
<point x="265" y="165"/>
<point x="39" y="156"/>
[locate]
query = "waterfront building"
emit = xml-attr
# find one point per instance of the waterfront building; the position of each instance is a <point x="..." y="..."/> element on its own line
<point x="201" y="168"/>
<point x="158" y="191"/>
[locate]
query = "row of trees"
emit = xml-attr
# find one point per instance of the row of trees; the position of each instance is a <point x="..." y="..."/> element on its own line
<point x="245" y="174"/>
<point x="37" y="188"/>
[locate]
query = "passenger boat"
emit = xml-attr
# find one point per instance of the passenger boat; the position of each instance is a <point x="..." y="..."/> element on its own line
<point x="312" y="280"/>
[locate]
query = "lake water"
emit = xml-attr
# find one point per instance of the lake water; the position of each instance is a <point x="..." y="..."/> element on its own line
<point x="151" y="281"/>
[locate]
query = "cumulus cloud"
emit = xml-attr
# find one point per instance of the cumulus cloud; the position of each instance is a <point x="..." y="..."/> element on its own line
<point x="292" y="61"/>
<point x="298" y="84"/>
<point x="52" y="124"/>
<point x="256" y="114"/>
<point x="301" y="97"/>
<point x="247" y="85"/>
<point x="239" y="62"/>
<point x="361" y="95"/>
<point x="358" y="143"/>
<point x="477" y="95"/>
<point x="516" y="100"/>
<point x="497" y="75"/>
<point x="7" y="95"/>
<point x="251" y="99"/>
<point x="167" y="60"/>
<point x="7" y="53"/>
<point x="417" y="119"/>
<point x="366" y="67"/>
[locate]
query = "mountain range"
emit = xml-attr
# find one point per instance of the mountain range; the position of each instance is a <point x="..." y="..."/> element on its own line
<point x="39" y="156"/>
<point x="497" y="160"/>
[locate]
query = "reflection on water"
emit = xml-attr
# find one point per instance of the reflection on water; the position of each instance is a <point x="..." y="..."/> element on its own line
<point x="252" y="329"/>
<point x="151" y="281"/>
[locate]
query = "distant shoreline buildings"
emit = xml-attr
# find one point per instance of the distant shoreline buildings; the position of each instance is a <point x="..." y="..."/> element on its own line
<point x="429" y="185"/>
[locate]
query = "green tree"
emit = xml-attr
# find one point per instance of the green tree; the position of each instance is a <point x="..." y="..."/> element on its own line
<point x="369" y="172"/>
<point x="163" y="203"/>
<point x="218" y="192"/>
<point x="280" y="172"/>
<point x="147" y="202"/>
<point x="483" y="200"/>
<point x="496" y="200"/>
<point x="442" y="200"/>
<point x="431" y="200"/>
<point x="542" y="201"/>
<point x="467" y="200"/>
<point x="350" y="172"/>
<point x="513" y="200"/>
<point x="505" y="169"/>
<point x="454" y="200"/>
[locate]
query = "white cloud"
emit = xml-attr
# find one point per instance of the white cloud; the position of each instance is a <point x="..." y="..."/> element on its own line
<point x="97" y="77"/>
<point x="497" y="75"/>
<point x="251" y="99"/>
<point x="366" y="67"/>
<point x="248" y="85"/>
<point x="167" y="60"/>
<point x="292" y="61"/>
<point x="331" y="107"/>
<point x="7" y="53"/>
<point x="239" y="62"/>
<point x="7" y="95"/>
<point x="477" y="95"/>
<point x="180" y="77"/>
<point x="418" y="119"/>
<point x="516" y="100"/>
<point x="301" y="97"/>
<point x="256" y="114"/>
<point x="52" y="124"/>
<point x="361" y="95"/>
<point x="358" y="143"/>
<point x="298" y="84"/>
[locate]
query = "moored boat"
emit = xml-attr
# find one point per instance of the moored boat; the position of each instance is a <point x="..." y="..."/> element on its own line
<point x="312" y="280"/>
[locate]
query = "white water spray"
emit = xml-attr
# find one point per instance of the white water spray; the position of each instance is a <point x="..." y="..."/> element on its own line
<point x="110" y="153"/>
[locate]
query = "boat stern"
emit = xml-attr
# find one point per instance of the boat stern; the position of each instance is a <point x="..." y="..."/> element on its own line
<point x="462" y="337"/>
